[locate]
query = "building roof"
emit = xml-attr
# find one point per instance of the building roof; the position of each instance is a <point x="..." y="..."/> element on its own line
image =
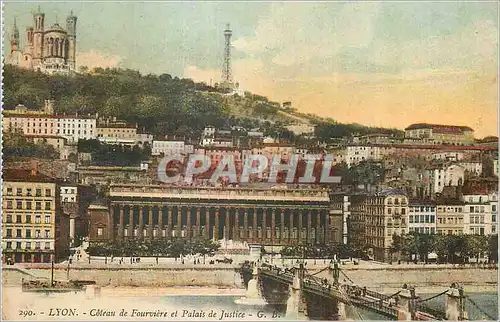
<point x="391" y="192"/>
<point x="439" y="128"/>
<point x="26" y="175"/>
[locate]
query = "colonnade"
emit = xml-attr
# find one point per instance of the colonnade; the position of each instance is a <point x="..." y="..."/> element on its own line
<point x="257" y="224"/>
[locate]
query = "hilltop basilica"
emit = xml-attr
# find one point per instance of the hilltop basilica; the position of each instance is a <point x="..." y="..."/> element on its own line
<point x="49" y="50"/>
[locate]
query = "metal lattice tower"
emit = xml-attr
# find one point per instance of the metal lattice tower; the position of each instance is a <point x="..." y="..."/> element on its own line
<point x="227" y="75"/>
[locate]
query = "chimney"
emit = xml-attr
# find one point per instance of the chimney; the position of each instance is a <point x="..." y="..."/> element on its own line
<point x="34" y="167"/>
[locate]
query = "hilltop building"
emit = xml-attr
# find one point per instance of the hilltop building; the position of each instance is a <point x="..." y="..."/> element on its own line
<point x="47" y="49"/>
<point x="441" y="134"/>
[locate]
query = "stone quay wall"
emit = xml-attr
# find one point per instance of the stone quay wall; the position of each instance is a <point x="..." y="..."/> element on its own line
<point x="137" y="277"/>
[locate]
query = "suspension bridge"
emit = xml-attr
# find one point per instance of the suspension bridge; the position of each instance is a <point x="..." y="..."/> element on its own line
<point x="308" y="296"/>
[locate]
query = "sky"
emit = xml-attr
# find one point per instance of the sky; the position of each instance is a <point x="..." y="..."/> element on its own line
<point x="386" y="64"/>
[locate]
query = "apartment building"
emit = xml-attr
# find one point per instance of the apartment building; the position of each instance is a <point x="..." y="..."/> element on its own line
<point x="376" y="218"/>
<point x="34" y="227"/>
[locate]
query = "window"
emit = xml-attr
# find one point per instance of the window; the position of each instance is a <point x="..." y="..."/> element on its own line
<point x="47" y="219"/>
<point x="37" y="219"/>
<point x="47" y="233"/>
<point x="18" y="219"/>
<point x="493" y="218"/>
<point x="47" y="205"/>
<point x="9" y="204"/>
<point x="47" y="245"/>
<point x="37" y="233"/>
<point x="28" y="245"/>
<point x="403" y="211"/>
<point x="19" y="192"/>
<point x="471" y="209"/>
<point x="9" y="219"/>
<point x="493" y="207"/>
<point x="48" y="192"/>
<point x="19" y="204"/>
<point x="99" y="231"/>
<point x="389" y="211"/>
<point x="37" y="245"/>
<point x="28" y="233"/>
<point x="38" y="192"/>
<point x="38" y="205"/>
<point x="18" y="245"/>
<point x="411" y="219"/>
<point x="28" y="205"/>
<point x="9" y="233"/>
<point x="432" y="219"/>
<point x="9" y="245"/>
<point x="9" y="191"/>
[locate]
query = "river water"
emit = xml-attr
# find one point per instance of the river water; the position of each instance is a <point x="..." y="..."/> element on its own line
<point x="182" y="307"/>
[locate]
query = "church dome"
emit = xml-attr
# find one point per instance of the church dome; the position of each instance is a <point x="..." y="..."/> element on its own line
<point x="56" y="27"/>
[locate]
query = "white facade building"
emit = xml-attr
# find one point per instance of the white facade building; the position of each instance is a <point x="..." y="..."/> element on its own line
<point x="448" y="156"/>
<point x="168" y="148"/>
<point x="452" y="175"/>
<point x="477" y="214"/>
<point x="358" y="153"/>
<point x="422" y="218"/>
<point x="475" y="168"/>
<point x="69" y="193"/>
<point x="74" y="128"/>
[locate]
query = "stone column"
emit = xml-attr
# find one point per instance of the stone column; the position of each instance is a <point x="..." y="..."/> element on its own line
<point x="169" y="222"/>
<point x="121" y="224"/>
<point x="264" y="223"/>
<point x="216" y="225"/>
<point x="206" y="234"/>
<point x="198" y="221"/>
<point x="130" y="222"/>
<point x="245" y="224"/>
<point x="140" y="233"/>
<point x="309" y="227"/>
<point x="254" y="235"/>
<point x="111" y="227"/>
<point x="290" y="229"/>
<point x="273" y="224"/>
<point x="227" y="225"/>
<point x="300" y="226"/>
<point x="160" y="221"/>
<point x="236" y="226"/>
<point x="320" y="227"/>
<point x="150" y="227"/>
<point x="282" y="228"/>
<point x="188" y="222"/>
<point x="179" y="222"/>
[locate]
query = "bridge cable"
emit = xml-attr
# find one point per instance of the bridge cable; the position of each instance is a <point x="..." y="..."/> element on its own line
<point x="434" y="296"/>
<point x="480" y="309"/>
<point x="320" y="271"/>
<point x="350" y="303"/>
<point x="345" y="275"/>
<point x="384" y="298"/>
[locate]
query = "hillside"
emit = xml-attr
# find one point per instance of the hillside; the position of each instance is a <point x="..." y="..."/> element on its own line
<point x="160" y="104"/>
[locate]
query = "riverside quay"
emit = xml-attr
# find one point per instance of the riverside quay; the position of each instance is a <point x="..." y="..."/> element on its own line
<point x="261" y="216"/>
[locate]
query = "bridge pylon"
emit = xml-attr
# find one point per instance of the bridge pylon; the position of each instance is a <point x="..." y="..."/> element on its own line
<point x="455" y="303"/>
<point x="296" y="306"/>
<point x="407" y="303"/>
<point x="253" y="290"/>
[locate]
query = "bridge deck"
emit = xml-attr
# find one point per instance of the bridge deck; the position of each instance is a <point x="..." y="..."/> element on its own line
<point x="349" y="294"/>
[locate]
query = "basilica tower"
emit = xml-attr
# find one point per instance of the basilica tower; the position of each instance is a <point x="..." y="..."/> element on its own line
<point x="38" y="31"/>
<point x="71" y="49"/>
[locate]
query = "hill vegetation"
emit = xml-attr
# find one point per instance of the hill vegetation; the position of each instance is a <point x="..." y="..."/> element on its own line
<point x="160" y="104"/>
